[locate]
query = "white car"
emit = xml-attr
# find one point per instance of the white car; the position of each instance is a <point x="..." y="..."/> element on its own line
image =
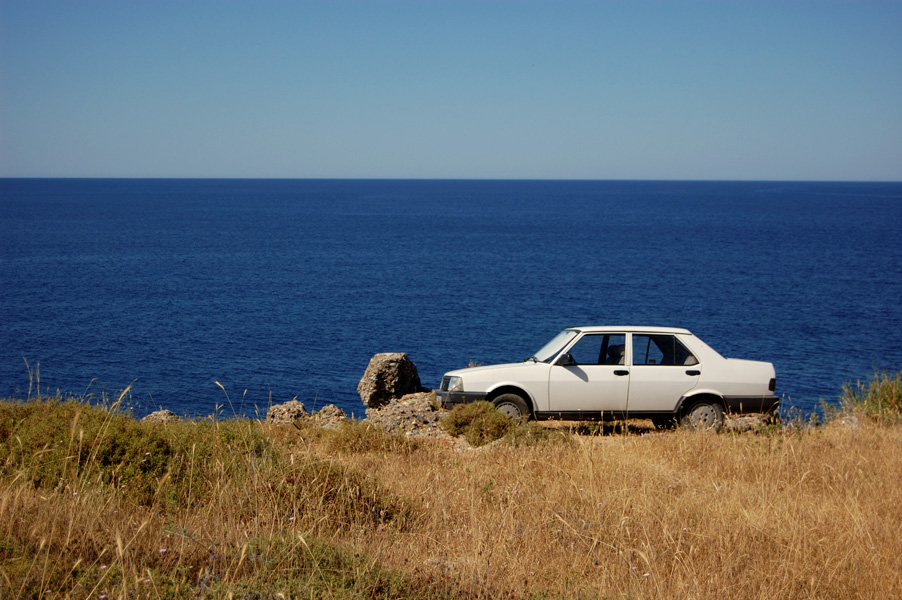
<point x="605" y="373"/>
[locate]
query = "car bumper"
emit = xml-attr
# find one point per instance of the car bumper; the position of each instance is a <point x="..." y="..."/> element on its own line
<point x="448" y="399"/>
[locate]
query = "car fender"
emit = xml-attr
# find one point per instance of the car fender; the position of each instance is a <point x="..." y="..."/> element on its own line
<point x="697" y="393"/>
<point x="511" y="387"/>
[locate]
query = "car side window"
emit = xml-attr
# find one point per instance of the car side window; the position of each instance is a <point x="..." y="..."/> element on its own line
<point x="661" y="350"/>
<point x="605" y="349"/>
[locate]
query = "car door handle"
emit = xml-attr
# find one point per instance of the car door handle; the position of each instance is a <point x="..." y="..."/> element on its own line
<point x="693" y="372"/>
<point x="621" y="372"/>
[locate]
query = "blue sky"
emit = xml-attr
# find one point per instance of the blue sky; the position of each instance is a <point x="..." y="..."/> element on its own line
<point x="790" y="90"/>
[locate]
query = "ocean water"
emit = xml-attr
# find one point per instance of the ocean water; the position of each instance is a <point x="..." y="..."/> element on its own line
<point x="279" y="289"/>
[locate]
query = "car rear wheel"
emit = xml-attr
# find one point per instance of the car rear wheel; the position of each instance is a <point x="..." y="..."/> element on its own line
<point x="703" y="415"/>
<point x="512" y="405"/>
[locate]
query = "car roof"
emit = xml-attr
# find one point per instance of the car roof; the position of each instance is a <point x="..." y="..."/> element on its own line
<point x="630" y="329"/>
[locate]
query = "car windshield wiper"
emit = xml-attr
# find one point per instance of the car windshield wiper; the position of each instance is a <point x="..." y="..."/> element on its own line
<point x="531" y="358"/>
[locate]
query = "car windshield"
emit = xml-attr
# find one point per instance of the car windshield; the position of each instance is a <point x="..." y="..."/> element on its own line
<point x="554" y="347"/>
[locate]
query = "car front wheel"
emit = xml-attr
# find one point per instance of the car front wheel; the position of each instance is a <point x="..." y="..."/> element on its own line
<point x="512" y="405"/>
<point x="705" y="415"/>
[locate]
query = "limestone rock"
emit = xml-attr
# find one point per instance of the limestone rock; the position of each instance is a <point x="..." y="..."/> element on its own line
<point x="389" y="375"/>
<point x="329" y="417"/>
<point x="288" y="412"/>
<point x="750" y="422"/>
<point x="161" y="416"/>
<point x="850" y="421"/>
<point x="413" y="414"/>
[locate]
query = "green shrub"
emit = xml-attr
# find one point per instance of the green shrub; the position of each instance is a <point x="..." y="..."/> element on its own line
<point x="72" y="445"/>
<point x="58" y="443"/>
<point x="879" y="399"/>
<point x="481" y="424"/>
<point x="478" y="422"/>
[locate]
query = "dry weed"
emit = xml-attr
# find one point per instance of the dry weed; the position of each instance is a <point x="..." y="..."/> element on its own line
<point x="246" y="510"/>
<point x="679" y="514"/>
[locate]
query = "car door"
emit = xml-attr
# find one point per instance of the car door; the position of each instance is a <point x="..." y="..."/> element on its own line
<point x="592" y="377"/>
<point x="662" y="371"/>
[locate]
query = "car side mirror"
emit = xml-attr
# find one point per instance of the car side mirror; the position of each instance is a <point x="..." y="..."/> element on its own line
<point x="565" y="360"/>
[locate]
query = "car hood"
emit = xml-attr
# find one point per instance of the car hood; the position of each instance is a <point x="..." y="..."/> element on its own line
<point x="478" y="371"/>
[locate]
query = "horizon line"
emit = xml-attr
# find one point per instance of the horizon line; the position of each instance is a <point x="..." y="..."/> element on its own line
<point x="483" y="179"/>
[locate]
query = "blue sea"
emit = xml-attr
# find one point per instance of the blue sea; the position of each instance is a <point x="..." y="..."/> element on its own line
<point x="281" y="289"/>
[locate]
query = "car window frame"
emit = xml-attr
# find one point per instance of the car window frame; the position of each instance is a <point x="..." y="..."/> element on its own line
<point x="651" y="339"/>
<point x="604" y="348"/>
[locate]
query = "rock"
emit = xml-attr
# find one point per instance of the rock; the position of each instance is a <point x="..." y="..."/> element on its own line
<point x="850" y="421"/>
<point x="388" y="376"/>
<point x="751" y="422"/>
<point x="161" y="416"/>
<point x="288" y="412"/>
<point x="413" y="414"/>
<point x="329" y="417"/>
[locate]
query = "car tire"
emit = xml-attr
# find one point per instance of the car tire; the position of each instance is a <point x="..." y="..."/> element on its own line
<point x="703" y="415"/>
<point x="512" y="405"/>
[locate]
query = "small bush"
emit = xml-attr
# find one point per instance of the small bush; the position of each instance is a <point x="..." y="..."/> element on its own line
<point x="58" y="443"/>
<point x="478" y="422"/>
<point x="879" y="399"/>
<point x="481" y="424"/>
<point x="73" y="445"/>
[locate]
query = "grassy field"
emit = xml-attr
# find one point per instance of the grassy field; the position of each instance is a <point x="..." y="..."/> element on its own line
<point x="94" y="504"/>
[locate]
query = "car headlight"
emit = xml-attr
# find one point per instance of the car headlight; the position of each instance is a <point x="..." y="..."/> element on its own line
<point x="455" y="384"/>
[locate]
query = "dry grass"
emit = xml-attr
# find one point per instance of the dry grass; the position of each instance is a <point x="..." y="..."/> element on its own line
<point x="240" y="509"/>
<point x="674" y="515"/>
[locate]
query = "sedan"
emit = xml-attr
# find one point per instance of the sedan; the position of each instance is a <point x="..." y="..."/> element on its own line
<point x="605" y="373"/>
